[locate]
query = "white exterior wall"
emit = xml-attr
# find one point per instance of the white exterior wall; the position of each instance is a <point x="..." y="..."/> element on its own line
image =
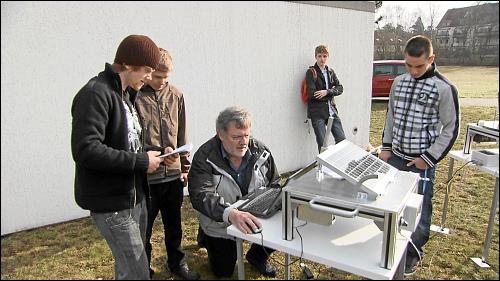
<point x="252" y="54"/>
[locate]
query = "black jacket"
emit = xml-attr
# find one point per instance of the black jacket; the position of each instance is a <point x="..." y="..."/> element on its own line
<point x="108" y="177"/>
<point x="318" y="108"/>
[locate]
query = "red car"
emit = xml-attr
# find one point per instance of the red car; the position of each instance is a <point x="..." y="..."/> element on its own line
<point x="384" y="72"/>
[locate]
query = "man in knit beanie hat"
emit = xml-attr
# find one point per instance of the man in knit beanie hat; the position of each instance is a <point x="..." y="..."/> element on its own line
<point x="138" y="50"/>
<point x="111" y="162"/>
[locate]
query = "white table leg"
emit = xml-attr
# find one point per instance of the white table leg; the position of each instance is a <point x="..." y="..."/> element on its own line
<point x="441" y="228"/>
<point x="399" y="274"/>
<point x="483" y="261"/>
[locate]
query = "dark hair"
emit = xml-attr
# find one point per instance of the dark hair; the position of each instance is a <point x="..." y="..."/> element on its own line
<point x="418" y="45"/>
<point x="122" y="67"/>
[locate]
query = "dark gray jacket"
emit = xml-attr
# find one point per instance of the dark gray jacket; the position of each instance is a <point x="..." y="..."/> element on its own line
<point x="212" y="189"/>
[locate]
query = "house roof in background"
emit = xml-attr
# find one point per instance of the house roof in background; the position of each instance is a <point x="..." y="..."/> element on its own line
<point x="480" y="15"/>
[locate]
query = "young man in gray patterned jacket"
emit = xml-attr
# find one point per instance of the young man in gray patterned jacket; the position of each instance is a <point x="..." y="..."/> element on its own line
<point x="421" y="125"/>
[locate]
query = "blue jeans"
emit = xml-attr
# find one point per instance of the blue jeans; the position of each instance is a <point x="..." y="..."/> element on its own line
<point x="319" y="126"/>
<point x="125" y="233"/>
<point x="426" y="188"/>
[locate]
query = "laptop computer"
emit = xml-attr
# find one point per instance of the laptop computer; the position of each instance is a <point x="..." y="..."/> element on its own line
<point x="266" y="201"/>
<point x="263" y="203"/>
<point x="359" y="167"/>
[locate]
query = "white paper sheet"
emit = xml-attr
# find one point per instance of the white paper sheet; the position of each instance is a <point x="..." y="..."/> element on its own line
<point x="185" y="148"/>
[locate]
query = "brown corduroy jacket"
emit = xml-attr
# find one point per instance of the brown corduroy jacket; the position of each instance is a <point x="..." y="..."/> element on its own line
<point x="163" y="117"/>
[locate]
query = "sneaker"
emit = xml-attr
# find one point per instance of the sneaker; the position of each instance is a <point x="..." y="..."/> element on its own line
<point x="185" y="273"/>
<point x="264" y="267"/>
<point x="411" y="265"/>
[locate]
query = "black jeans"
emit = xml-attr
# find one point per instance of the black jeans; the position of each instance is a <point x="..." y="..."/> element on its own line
<point x="167" y="198"/>
<point x="222" y="254"/>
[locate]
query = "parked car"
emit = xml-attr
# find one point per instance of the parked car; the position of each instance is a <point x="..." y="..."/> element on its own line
<point x="384" y="72"/>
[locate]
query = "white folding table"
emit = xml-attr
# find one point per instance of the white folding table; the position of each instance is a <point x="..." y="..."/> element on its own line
<point x="460" y="156"/>
<point x="349" y="244"/>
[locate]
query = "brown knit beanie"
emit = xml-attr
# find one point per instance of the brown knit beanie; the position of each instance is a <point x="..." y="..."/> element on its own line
<point x="138" y="50"/>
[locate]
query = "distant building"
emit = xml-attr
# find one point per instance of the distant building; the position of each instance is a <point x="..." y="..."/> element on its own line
<point x="468" y="36"/>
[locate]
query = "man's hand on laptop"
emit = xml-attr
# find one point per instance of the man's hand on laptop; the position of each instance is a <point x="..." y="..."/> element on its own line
<point x="244" y="221"/>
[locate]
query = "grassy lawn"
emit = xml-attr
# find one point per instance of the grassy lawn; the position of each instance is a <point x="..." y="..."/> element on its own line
<point x="75" y="250"/>
<point x="473" y="81"/>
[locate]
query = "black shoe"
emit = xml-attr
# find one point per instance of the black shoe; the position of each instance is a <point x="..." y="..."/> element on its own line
<point x="263" y="266"/>
<point x="411" y="265"/>
<point x="185" y="273"/>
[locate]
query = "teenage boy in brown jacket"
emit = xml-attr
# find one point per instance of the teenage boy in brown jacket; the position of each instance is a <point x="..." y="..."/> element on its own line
<point x="161" y="107"/>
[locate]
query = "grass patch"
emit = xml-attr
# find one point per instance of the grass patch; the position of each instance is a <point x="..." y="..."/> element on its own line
<point x="75" y="249"/>
<point x="473" y="81"/>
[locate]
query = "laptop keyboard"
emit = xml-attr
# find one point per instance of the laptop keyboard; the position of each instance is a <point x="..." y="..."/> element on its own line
<point x="365" y="166"/>
<point x="358" y="167"/>
<point x="262" y="202"/>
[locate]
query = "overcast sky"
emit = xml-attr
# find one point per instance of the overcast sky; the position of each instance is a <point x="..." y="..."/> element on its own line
<point x="409" y="11"/>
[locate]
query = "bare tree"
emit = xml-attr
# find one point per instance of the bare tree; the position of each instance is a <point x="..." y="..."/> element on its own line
<point x="433" y="14"/>
<point x="470" y="27"/>
<point x="394" y="15"/>
<point x="401" y="14"/>
<point x="474" y="25"/>
<point x="390" y="37"/>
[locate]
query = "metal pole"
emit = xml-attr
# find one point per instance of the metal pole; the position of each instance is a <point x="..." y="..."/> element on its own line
<point x="239" y="253"/>
<point x="287" y="266"/>
<point x="487" y="242"/>
<point x="446" y="198"/>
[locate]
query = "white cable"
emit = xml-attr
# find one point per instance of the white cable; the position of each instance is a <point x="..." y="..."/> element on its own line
<point x="409" y="240"/>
